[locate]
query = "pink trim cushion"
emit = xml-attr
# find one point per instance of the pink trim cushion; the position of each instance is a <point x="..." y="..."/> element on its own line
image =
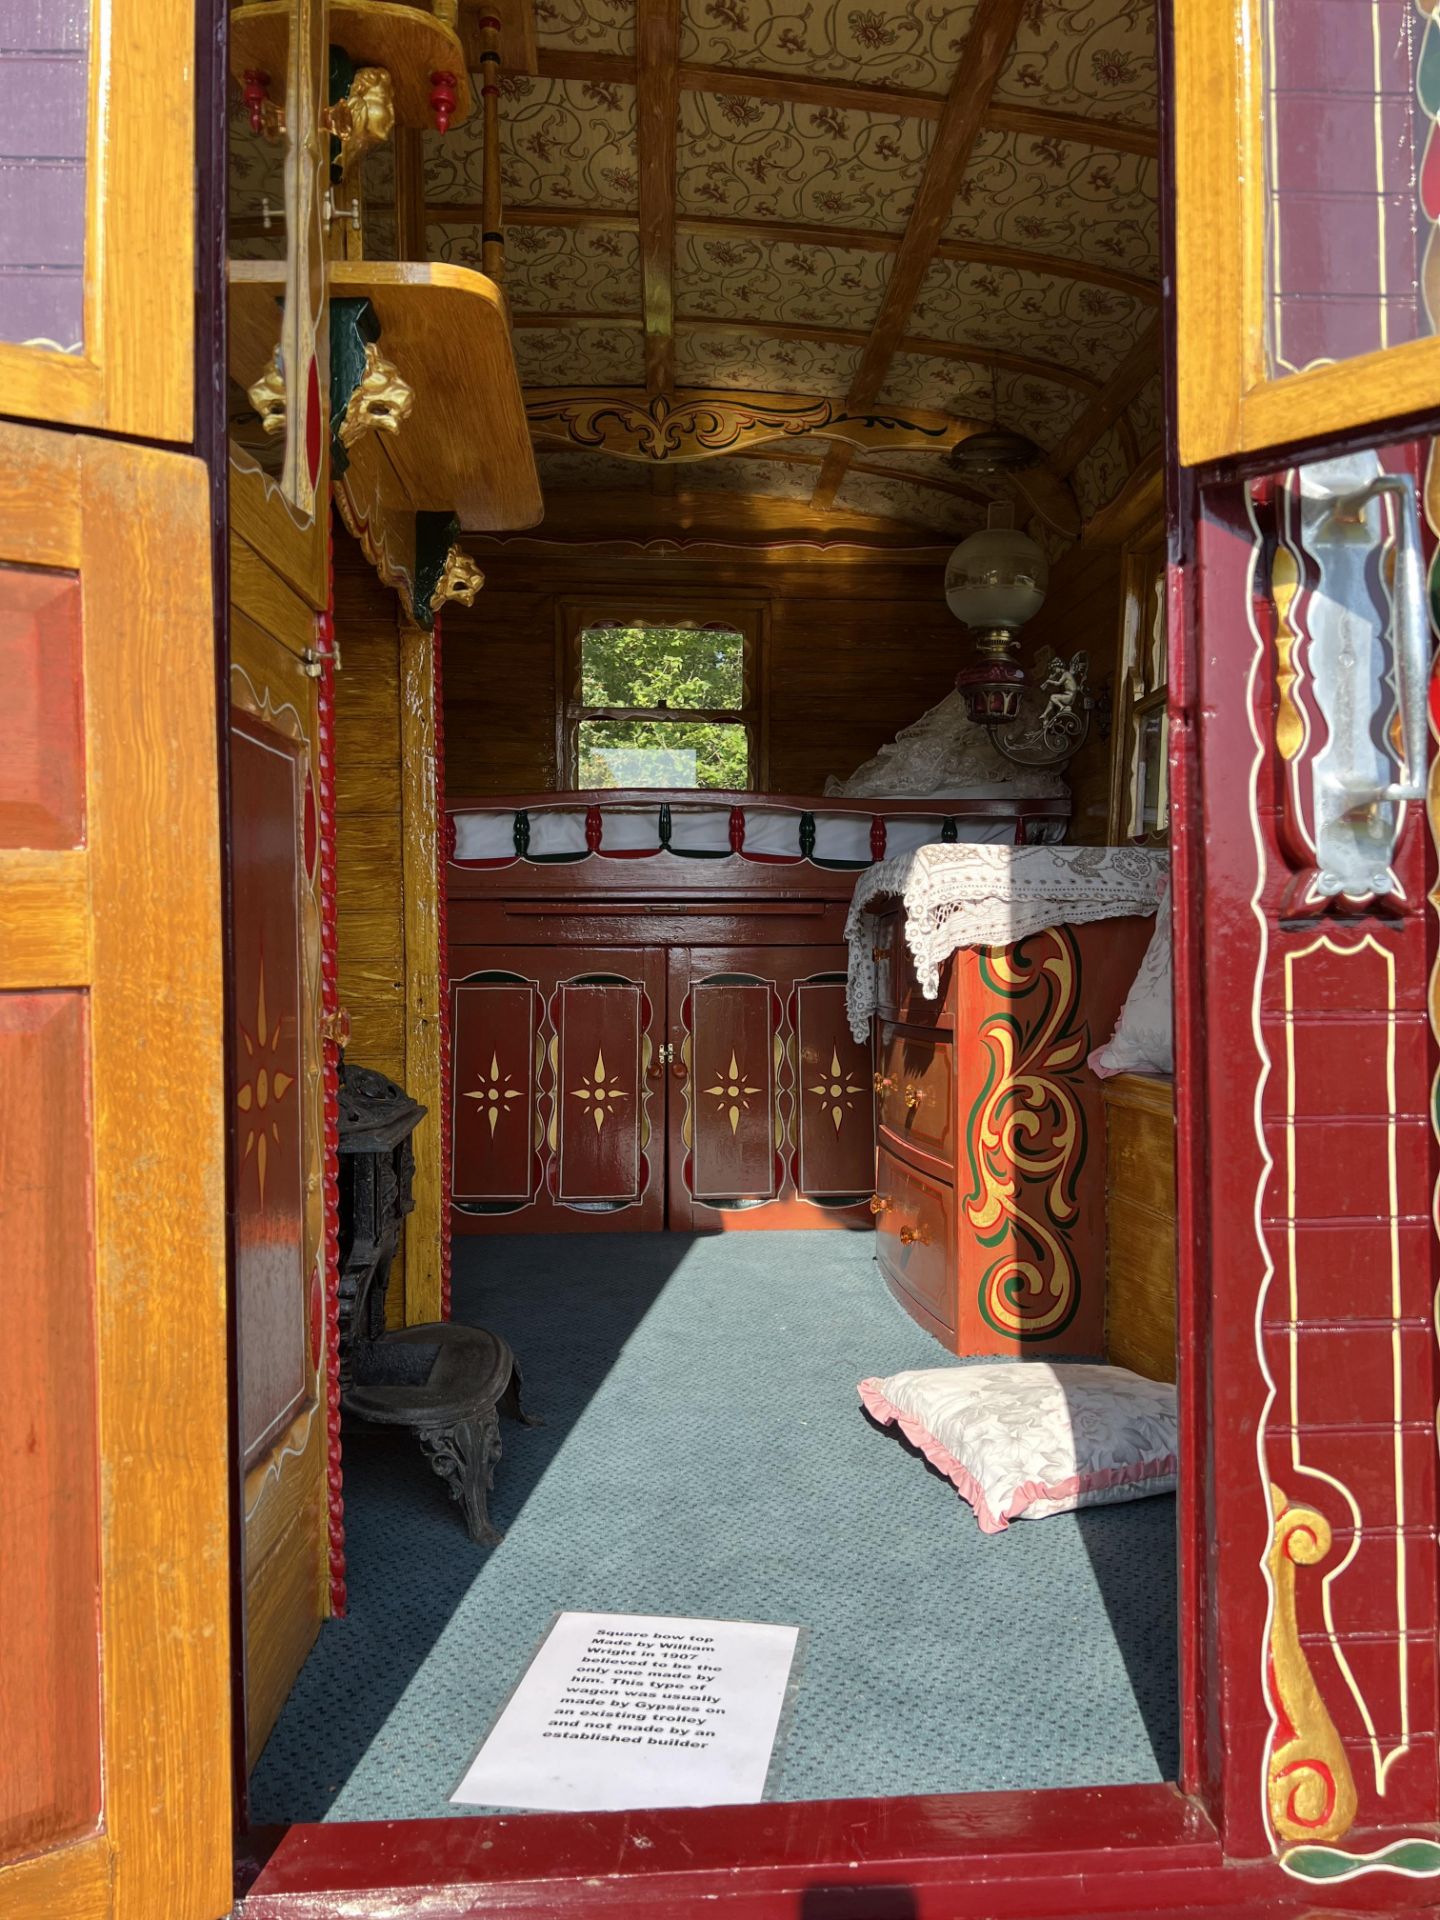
<point x="1024" y="1438"/>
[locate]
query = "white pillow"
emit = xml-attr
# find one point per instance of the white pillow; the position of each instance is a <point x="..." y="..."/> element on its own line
<point x="1144" y="1036"/>
<point x="1024" y="1438"/>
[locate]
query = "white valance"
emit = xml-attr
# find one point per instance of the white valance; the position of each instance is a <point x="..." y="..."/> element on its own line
<point x="971" y="896"/>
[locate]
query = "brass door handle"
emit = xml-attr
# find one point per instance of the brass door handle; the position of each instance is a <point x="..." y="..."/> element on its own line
<point x="913" y="1095"/>
<point x="878" y="1205"/>
<point x="910" y="1235"/>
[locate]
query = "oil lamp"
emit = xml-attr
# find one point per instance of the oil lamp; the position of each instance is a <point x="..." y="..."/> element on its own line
<point x="995" y="581"/>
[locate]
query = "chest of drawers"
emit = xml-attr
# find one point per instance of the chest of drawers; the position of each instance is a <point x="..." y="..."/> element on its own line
<point x="990" y="1158"/>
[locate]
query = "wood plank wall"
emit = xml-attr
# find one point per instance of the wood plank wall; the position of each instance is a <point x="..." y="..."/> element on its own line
<point x="854" y="651"/>
<point x="1082" y="611"/>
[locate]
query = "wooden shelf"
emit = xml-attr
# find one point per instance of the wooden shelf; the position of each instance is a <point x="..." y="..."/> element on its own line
<point x="466" y="445"/>
<point x="408" y="42"/>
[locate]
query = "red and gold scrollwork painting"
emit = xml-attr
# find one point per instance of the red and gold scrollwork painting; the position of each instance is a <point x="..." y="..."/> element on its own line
<point x="1344" y="1320"/>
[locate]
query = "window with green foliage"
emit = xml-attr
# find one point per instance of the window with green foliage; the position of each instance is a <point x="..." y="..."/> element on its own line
<point x="657" y="705"/>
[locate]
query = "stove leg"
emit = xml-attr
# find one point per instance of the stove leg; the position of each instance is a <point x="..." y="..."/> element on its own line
<point x="464" y="1456"/>
<point x="509" y="1402"/>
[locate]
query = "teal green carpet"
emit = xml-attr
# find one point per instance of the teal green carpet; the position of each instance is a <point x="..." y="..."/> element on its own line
<point x="704" y="1453"/>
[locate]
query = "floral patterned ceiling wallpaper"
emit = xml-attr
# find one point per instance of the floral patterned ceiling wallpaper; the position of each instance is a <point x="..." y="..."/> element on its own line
<point x="571" y="144"/>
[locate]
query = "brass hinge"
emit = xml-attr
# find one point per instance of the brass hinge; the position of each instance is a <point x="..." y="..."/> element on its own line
<point x="666" y="1054"/>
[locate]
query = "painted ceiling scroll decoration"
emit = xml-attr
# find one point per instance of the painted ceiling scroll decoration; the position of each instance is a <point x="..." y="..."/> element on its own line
<point x="791" y="211"/>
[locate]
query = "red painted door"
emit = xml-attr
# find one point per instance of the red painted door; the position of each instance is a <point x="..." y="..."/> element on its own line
<point x="772" y="1118"/>
<point x="559" y="1092"/>
<point x="1304" y="887"/>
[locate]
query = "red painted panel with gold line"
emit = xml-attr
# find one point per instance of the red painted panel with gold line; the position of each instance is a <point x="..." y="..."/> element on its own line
<point x="42" y="770"/>
<point x="834" y="1156"/>
<point x="50" y="1784"/>
<point x="600" y="1029"/>
<point x="267" y="784"/>
<point x="1319" y="1067"/>
<point x="495" y="1024"/>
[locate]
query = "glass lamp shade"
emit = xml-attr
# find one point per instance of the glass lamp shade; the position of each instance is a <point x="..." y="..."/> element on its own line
<point x="995" y="581"/>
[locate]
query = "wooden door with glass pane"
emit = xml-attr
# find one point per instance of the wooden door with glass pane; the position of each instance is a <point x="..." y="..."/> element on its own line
<point x="115" y="1799"/>
<point x="1301" y="596"/>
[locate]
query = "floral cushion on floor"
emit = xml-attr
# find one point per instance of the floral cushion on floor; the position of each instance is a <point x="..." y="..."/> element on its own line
<point x="1024" y="1438"/>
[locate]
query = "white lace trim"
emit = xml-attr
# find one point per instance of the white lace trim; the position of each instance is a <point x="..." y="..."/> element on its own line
<point x="971" y="896"/>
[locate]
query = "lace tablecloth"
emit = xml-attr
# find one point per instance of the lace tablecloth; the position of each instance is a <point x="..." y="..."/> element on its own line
<point x="968" y="896"/>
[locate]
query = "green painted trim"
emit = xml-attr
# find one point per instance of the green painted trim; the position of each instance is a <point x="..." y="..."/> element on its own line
<point x="354" y="325"/>
<point x="1417" y="1858"/>
<point x="435" y="534"/>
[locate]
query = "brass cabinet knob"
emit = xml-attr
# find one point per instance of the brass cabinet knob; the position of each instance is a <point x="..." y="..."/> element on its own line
<point x="913" y="1095"/>
<point x="910" y="1235"/>
<point x="883" y="1082"/>
<point x="879" y="955"/>
<point x="878" y="1205"/>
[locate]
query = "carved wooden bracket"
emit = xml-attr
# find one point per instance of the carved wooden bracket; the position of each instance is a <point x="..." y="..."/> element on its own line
<point x="366" y="390"/>
<point x="361" y="114"/>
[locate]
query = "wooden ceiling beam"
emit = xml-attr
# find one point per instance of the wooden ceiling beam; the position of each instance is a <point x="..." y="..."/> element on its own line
<point x="1138" y="366"/>
<point x="804" y="89"/>
<point x="799" y="233"/>
<point x="991" y="35"/>
<point x="999" y="358"/>
<point x="657" y="124"/>
<point x="1081" y="129"/>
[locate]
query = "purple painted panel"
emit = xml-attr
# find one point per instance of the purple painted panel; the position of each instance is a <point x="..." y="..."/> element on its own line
<point x="1346" y="140"/>
<point x="44" y="89"/>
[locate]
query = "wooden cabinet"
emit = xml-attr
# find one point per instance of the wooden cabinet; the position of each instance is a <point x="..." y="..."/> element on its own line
<point x="633" y="1087"/>
<point x="990" y="1171"/>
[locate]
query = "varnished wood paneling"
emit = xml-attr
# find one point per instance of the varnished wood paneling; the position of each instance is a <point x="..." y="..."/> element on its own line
<point x="420" y="851"/>
<point x="159" y="1180"/>
<point x="1141" y="1252"/>
<point x="49" y="1499"/>
<point x="1082" y="614"/>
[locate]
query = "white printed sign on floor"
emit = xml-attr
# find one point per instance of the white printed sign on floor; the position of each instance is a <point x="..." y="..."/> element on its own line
<point x="622" y="1710"/>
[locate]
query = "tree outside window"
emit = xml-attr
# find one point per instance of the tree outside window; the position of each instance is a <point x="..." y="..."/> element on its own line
<point x="655" y="704"/>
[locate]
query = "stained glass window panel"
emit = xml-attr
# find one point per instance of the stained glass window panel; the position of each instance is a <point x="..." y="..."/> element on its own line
<point x="44" y="96"/>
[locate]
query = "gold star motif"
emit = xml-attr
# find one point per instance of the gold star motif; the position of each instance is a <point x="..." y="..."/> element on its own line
<point x="493" y="1092"/>
<point x="836" y="1087"/>
<point x="732" y="1090"/>
<point x="265" y="1088"/>
<point x="597" y="1095"/>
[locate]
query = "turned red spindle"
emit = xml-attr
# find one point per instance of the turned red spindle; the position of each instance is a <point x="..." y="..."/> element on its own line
<point x="444" y="94"/>
<point x="594" y="828"/>
<point x="737" y="829"/>
<point x="877" y="838"/>
<point x="257" y="92"/>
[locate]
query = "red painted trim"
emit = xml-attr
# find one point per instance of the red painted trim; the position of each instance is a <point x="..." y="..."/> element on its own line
<point x="1199" y="1770"/>
<point x="330" y="1052"/>
<point x="445" y="847"/>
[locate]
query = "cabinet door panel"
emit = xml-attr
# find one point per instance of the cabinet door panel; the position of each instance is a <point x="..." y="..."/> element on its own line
<point x="781" y="1150"/>
<point x="559" y="1098"/>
